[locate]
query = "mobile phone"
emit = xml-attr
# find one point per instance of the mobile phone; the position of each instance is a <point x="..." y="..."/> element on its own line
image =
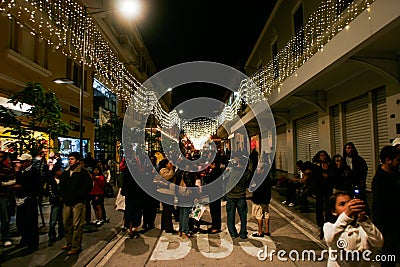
<point x="356" y="192"/>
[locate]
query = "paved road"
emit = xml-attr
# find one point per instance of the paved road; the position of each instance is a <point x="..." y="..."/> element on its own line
<point x="108" y="246"/>
<point x="161" y="249"/>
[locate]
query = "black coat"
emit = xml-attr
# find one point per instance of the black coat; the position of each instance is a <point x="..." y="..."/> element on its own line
<point x="75" y="189"/>
<point x="30" y="183"/>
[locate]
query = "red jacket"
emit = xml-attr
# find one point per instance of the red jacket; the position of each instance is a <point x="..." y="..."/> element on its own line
<point x="99" y="182"/>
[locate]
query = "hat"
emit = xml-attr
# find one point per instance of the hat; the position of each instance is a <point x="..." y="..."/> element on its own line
<point x="396" y="141"/>
<point x="25" y="157"/>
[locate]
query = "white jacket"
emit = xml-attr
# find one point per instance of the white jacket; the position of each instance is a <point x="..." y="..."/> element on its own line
<point x="342" y="237"/>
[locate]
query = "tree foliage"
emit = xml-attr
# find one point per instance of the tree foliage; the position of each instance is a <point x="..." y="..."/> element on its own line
<point x="43" y="116"/>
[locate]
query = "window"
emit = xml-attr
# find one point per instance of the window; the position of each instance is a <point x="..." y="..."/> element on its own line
<point x="298" y="31"/>
<point x="275" y="59"/>
<point x="22" y="41"/>
<point x="74" y="73"/>
<point x="74" y="109"/>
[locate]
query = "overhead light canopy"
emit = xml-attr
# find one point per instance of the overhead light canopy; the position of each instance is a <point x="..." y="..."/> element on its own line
<point x="63" y="81"/>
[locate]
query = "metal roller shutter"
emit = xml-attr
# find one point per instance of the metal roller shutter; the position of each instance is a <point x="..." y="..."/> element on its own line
<point x="337" y="135"/>
<point x="307" y="139"/>
<point x="358" y="130"/>
<point x="281" y="148"/>
<point x="381" y="119"/>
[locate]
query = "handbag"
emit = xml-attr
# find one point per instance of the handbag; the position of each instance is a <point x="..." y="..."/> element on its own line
<point x="197" y="211"/>
<point x="120" y="201"/>
<point x="183" y="189"/>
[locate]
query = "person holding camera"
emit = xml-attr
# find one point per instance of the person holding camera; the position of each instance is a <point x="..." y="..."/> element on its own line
<point x="385" y="208"/>
<point x="351" y="230"/>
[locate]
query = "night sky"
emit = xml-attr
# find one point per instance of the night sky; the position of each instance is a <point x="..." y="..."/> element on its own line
<point x="177" y="31"/>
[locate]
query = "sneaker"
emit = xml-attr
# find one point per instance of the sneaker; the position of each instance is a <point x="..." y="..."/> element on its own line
<point x="100" y="223"/>
<point x="284" y="202"/>
<point x="291" y="205"/>
<point x="7" y="243"/>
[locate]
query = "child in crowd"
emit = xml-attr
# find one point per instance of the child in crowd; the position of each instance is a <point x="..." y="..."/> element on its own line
<point x="97" y="194"/>
<point x="352" y="231"/>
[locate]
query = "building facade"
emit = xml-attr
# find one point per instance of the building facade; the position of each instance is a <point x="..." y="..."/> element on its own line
<point x="44" y="42"/>
<point x="331" y="73"/>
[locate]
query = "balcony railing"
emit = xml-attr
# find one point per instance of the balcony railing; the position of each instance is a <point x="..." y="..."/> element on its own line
<point x="321" y="27"/>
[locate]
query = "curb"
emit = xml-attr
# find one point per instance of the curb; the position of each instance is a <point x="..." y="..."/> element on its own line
<point x="306" y="224"/>
<point x="88" y="255"/>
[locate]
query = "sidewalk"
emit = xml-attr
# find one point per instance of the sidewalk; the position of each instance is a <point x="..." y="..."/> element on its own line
<point x="94" y="240"/>
<point x="306" y="219"/>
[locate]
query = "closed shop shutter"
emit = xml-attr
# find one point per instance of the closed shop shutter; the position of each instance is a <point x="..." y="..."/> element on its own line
<point x="281" y="148"/>
<point x="381" y="119"/>
<point x="358" y="130"/>
<point x="337" y="135"/>
<point x="307" y="139"/>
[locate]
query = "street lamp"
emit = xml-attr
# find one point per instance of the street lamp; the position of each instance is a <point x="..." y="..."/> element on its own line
<point x="129" y="7"/>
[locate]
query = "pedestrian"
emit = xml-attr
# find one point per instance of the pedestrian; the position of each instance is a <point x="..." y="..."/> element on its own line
<point x="261" y="199"/>
<point x="213" y="172"/>
<point x="134" y="197"/>
<point x="97" y="195"/>
<point x="185" y="180"/>
<point x="340" y="175"/>
<point x="236" y="197"/>
<point x="75" y="185"/>
<point x="51" y="161"/>
<point x="7" y="179"/>
<point x="27" y="191"/>
<point x="358" y="167"/>
<point x="351" y="230"/>
<point x="167" y="172"/>
<point x="56" y="211"/>
<point x="324" y="188"/>
<point x="40" y="163"/>
<point x="152" y="204"/>
<point x="386" y="199"/>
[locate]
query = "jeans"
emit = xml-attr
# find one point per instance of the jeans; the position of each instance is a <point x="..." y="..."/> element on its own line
<point x="5" y="223"/>
<point x="184" y="219"/>
<point x="56" y="217"/>
<point x="241" y="205"/>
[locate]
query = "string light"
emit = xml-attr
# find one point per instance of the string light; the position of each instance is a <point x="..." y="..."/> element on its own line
<point x="325" y="23"/>
<point x="62" y="25"/>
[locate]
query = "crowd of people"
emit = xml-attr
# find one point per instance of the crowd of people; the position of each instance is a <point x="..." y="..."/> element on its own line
<point x="71" y="191"/>
<point x="338" y="185"/>
<point x="140" y="206"/>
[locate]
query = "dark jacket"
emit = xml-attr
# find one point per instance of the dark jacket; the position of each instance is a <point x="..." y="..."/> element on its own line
<point x="7" y="175"/>
<point x="130" y="187"/>
<point x="239" y="190"/>
<point x="358" y="174"/>
<point x="75" y="189"/>
<point x="262" y="195"/>
<point x="53" y="190"/>
<point x="29" y="181"/>
<point x="386" y="199"/>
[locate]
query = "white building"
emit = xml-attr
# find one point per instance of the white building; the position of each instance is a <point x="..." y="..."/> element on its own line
<point x="336" y="81"/>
